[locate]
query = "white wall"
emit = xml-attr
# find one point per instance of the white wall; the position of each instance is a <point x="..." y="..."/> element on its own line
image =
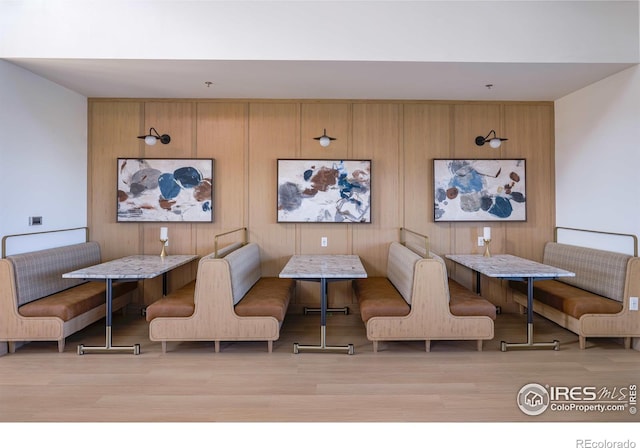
<point x="598" y="157"/>
<point x="43" y="157"/>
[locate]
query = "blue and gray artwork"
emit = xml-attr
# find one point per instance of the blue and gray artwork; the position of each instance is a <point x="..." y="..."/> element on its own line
<point x="480" y="190"/>
<point x="165" y="190"/>
<point x="324" y="191"/>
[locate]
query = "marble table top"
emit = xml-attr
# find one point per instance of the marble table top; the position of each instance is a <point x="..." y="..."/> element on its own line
<point x="324" y="266"/>
<point x="504" y="265"/>
<point x="132" y="267"/>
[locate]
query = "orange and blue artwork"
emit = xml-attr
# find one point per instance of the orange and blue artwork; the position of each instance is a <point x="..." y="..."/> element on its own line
<point x="480" y="190"/>
<point x="159" y="190"/>
<point x="324" y="191"/>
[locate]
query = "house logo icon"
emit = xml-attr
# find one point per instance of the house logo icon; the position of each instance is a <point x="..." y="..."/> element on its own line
<point x="533" y="399"/>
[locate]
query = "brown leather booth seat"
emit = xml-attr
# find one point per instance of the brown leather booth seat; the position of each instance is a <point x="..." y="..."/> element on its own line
<point x="179" y="303"/>
<point x="269" y="296"/>
<point x="230" y="300"/>
<point x="417" y="301"/>
<point x="74" y="302"/>
<point x="594" y="303"/>
<point x="570" y="300"/>
<point x="463" y="302"/>
<point x="378" y="297"/>
<point x="38" y="304"/>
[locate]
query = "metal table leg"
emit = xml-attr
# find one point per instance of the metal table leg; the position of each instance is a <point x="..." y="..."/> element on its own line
<point x="108" y="347"/>
<point x="323" y="328"/>
<point x="143" y="310"/>
<point x="555" y="344"/>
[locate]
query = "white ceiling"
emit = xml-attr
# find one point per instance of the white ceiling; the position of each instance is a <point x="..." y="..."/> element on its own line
<point x="111" y="78"/>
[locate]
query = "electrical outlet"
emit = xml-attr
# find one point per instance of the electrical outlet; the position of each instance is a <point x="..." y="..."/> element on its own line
<point x="633" y="303"/>
<point x="323" y="241"/>
<point x="35" y="220"/>
<point x="480" y="241"/>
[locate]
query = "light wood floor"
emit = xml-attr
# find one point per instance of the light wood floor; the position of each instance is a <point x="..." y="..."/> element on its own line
<point x="244" y="383"/>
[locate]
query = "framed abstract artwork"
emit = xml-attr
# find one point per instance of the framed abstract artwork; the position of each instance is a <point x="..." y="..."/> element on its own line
<point x="165" y="190"/>
<point x="480" y="190"/>
<point x="324" y="191"/>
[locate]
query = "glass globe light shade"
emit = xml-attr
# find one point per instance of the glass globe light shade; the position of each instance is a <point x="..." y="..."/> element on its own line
<point x="150" y="140"/>
<point x="495" y="142"/>
<point x="324" y="141"/>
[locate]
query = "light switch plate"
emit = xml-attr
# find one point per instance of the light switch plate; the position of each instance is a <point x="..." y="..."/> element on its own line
<point x="633" y="303"/>
<point x="480" y="241"/>
<point x="323" y="241"/>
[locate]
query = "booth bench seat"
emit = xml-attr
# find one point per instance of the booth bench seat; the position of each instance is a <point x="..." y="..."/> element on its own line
<point x="228" y="301"/>
<point x="417" y="301"/>
<point x="594" y="303"/>
<point x="37" y="304"/>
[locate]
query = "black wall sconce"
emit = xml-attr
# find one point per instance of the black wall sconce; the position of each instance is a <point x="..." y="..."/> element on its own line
<point x="324" y="139"/>
<point x="153" y="137"/>
<point x="494" y="141"/>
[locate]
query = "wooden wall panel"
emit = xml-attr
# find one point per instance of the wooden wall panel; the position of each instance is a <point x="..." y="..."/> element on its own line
<point x="177" y="120"/>
<point x="427" y="136"/>
<point x="273" y="134"/>
<point x="377" y="136"/>
<point x="530" y="129"/>
<point x="113" y="128"/>
<point x="247" y="137"/>
<point x="222" y="136"/>
<point x="314" y="118"/>
<point x="335" y="118"/>
<point x="469" y="121"/>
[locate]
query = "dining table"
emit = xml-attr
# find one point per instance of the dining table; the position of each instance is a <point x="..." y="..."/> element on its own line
<point x="511" y="267"/>
<point x="127" y="269"/>
<point x="323" y="269"/>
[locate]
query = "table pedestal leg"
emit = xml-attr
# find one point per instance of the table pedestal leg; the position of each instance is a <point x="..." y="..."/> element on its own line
<point x="108" y="347"/>
<point x="323" y="328"/>
<point x="323" y="345"/>
<point x="555" y="344"/>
